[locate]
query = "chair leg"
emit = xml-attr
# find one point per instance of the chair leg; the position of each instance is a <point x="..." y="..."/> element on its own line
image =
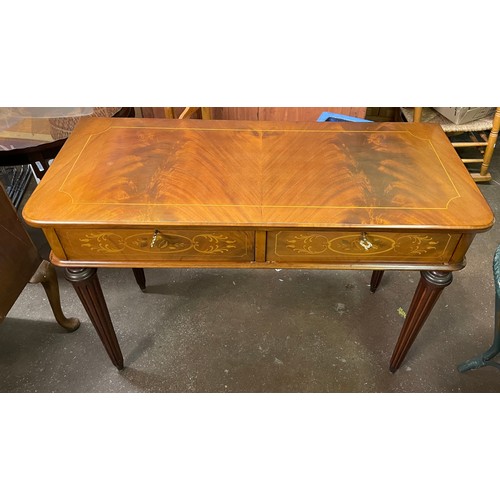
<point x="46" y="275"/>
<point x="492" y="139"/>
<point x="495" y="347"/>
<point x="485" y="359"/>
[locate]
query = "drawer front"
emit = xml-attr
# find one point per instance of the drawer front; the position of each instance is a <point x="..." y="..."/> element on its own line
<point x="338" y="246"/>
<point x="157" y="245"/>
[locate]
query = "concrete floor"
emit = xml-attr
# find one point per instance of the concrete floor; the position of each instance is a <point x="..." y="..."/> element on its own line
<point x="212" y="330"/>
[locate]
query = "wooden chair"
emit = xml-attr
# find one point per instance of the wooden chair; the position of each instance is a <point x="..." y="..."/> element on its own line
<point x="481" y="134"/>
<point x="188" y="112"/>
<point x="20" y="264"/>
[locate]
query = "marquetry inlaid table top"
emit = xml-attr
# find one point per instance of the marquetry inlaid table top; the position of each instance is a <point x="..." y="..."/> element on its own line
<point x="137" y="172"/>
<point x="188" y="193"/>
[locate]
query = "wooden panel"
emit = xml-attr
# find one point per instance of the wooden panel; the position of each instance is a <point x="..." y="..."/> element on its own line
<point x="158" y="245"/>
<point x="282" y="113"/>
<point x="337" y="246"/>
<point x="159" y="112"/>
<point x="305" y="114"/>
<point x="153" y="112"/>
<point x="263" y="113"/>
<point x="235" y="113"/>
<point x="382" y="114"/>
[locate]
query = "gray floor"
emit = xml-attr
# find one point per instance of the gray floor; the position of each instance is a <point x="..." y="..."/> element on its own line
<point x="258" y="331"/>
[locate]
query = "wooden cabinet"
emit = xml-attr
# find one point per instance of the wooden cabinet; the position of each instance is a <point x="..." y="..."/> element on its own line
<point x="298" y="114"/>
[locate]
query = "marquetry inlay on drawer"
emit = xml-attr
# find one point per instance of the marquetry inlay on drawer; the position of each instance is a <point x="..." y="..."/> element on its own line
<point x="157" y="244"/>
<point x="330" y="246"/>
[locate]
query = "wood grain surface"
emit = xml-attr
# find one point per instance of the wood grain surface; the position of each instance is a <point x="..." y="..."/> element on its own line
<point x="19" y="258"/>
<point x="151" y="245"/>
<point x="132" y="172"/>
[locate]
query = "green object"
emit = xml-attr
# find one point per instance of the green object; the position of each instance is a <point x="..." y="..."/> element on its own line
<point x="485" y="359"/>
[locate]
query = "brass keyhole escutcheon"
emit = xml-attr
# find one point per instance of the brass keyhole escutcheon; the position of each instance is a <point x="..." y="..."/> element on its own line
<point x="364" y="242"/>
<point x="153" y="241"/>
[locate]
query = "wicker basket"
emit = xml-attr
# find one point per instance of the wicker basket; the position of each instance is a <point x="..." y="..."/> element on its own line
<point x="60" y="128"/>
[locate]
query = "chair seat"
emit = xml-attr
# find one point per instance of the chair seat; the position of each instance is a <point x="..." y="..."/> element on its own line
<point x="433" y="116"/>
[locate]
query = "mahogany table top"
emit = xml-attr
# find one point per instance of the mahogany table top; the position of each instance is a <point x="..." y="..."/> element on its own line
<point x="124" y="172"/>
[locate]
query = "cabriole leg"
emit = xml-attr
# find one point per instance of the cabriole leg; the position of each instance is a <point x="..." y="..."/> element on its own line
<point x="46" y="275"/>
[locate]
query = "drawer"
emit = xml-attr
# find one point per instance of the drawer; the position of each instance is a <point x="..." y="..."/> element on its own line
<point x="338" y="246"/>
<point x="157" y="245"/>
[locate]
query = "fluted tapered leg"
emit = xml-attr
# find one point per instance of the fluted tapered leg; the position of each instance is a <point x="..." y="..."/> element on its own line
<point x="375" y="281"/>
<point x="429" y="289"/>
<point x="140" y="277"/>
<point x="87" y="286"/>
<point x="46" y="275"/>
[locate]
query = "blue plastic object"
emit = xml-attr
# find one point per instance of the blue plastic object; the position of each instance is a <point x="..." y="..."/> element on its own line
<point x="326" y="116"/>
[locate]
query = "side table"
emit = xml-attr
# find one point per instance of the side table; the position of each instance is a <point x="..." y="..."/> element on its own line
<point x="20" y="263"/>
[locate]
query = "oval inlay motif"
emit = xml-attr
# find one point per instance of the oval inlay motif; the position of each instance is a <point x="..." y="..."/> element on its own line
<point x="164" y="243"/>
<point x="352" y="245"/>
<point x="359" y="244"/>
<point x="158" y="242"/>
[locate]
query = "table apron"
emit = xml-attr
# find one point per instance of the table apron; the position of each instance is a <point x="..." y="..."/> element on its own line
<point x="222" y="247"/>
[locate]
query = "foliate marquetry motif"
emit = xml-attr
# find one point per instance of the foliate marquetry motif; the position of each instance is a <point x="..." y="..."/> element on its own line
<point x="147" y="244"/>
<point x="416" y="245"/>
<point x="359" y="244"/>
<point x="308" y="244"/>
<point x="103" y="242"/>
<point x="205" y="243"/>
<point x="213" y="243"/>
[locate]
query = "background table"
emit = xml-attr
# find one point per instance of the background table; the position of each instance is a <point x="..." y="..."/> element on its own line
<point x="31" y="137"/>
